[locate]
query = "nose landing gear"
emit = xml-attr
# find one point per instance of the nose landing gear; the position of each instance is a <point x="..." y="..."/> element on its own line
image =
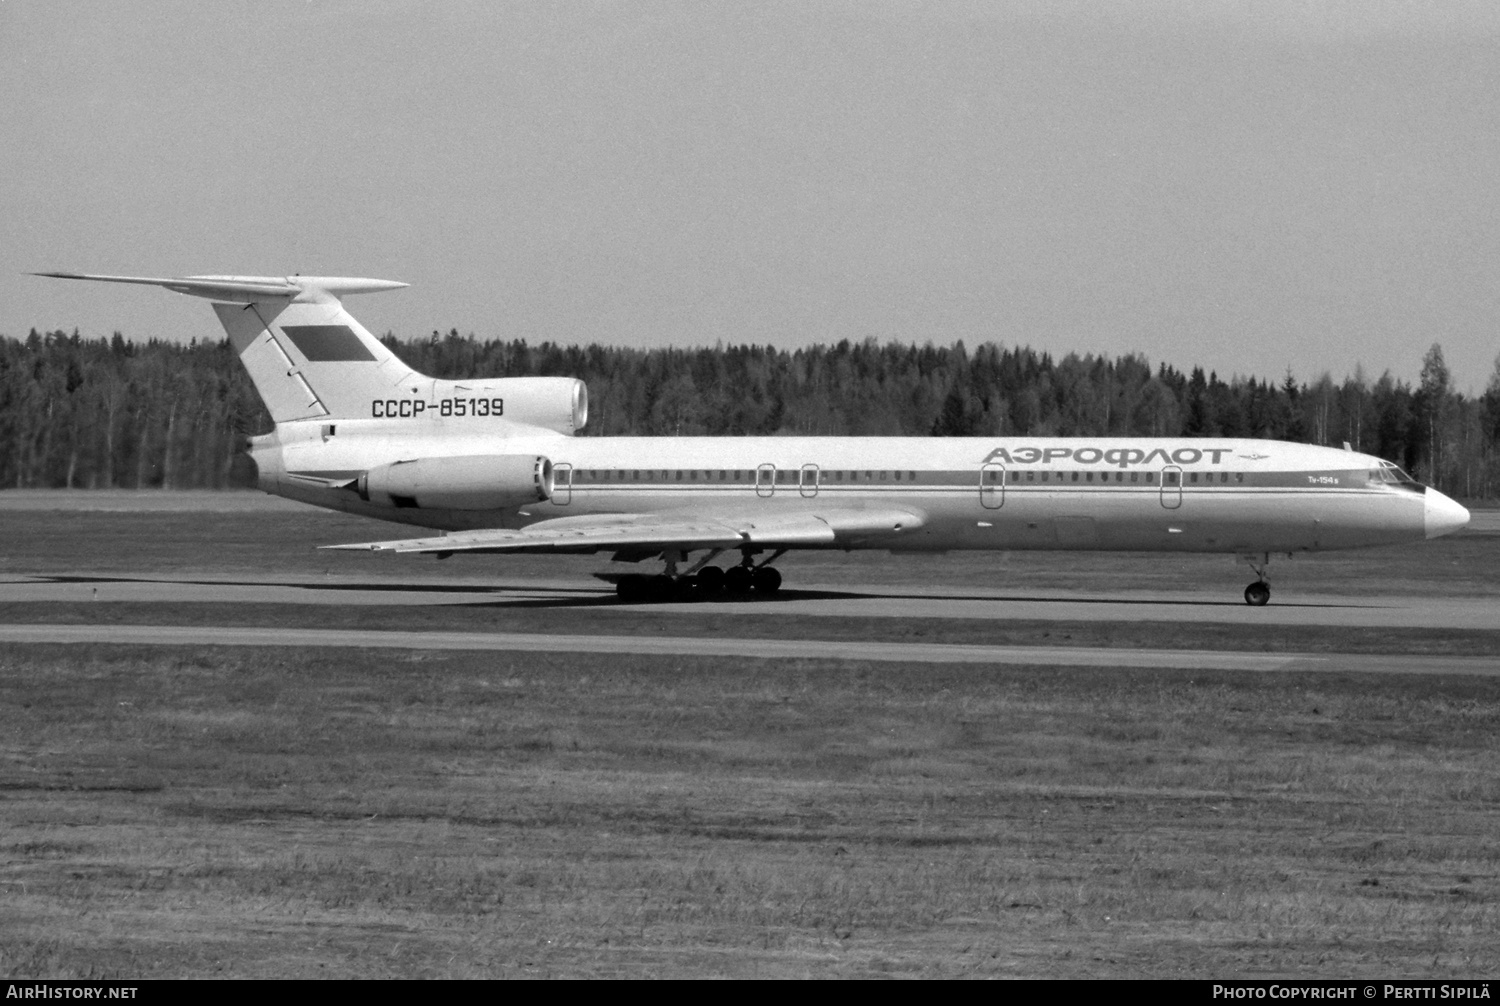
<point x="1259" y="592"/>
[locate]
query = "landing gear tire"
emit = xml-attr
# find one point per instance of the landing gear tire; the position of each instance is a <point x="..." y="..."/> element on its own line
<point x="710" y="580"/>
<point x="737" y="580"/>
<point x="766" y="580"/>
<point x="631" y="589"/>
<point x="1257" y="594"/>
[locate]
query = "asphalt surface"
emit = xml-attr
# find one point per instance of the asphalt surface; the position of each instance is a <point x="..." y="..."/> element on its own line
<point x="819" y="600"/>
<point x="740" y="649"/>
<point x="831" y="600"/>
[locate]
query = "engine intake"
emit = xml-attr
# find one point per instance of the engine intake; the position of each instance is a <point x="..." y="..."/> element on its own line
<point x="475" y="482"/>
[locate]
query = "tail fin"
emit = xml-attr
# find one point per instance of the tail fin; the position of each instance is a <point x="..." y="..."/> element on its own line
<point x="307" y="356"/>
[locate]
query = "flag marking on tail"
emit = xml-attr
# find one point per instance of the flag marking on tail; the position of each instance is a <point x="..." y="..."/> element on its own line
<point x="328" y="343"/>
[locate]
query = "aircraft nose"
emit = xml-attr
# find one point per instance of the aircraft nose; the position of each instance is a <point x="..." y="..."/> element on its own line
<point x="1440" y="515"/>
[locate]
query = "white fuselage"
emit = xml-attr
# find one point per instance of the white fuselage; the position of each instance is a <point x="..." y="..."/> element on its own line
<point x="1177" y="494"/>
<point x="492" y="463"/>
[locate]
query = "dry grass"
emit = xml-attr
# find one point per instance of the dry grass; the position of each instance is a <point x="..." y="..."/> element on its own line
<point x="276" y="813"/>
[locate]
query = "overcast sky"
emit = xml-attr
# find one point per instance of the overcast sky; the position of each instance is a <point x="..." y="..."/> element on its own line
<point x="1246" y="186"/>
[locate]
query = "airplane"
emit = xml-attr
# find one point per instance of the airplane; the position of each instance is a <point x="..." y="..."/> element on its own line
<point x="497" y="466"/>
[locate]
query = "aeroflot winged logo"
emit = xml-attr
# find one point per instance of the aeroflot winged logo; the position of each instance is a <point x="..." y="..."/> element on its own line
<point x="1122" y="457"/>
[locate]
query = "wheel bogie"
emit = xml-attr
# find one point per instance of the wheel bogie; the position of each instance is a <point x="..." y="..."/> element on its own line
<point x="766" y="580"/>
<point x="710" y="581"/>
<point x="737" y="580"/>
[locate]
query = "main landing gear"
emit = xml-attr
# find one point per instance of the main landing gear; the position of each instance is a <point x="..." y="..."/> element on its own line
<point x="1259" y="592"/>
<point x="702" y="581"/>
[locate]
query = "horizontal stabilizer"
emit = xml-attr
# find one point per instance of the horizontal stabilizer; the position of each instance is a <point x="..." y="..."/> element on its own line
<point x="307" y="356"/>
<point x="249" y="289"/>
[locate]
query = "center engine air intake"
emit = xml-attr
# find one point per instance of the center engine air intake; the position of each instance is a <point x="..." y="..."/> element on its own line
<point x="475" y="482"/>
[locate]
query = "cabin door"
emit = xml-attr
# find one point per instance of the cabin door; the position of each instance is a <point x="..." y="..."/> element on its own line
<point x="992" y="486"/>
<point x="809" y="484"/>
<point x="1171" y="487"/>
<point x="765" y="480"/>
<point x="562" y="484"/>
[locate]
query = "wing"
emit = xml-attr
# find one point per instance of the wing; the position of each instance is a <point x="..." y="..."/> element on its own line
<point x="650" y="533"/>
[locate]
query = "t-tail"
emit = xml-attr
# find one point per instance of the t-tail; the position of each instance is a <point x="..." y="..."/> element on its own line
<point x="312" y="362"/>
<point x="308" y="357"/>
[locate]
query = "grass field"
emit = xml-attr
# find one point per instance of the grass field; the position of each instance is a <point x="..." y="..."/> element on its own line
<point x="274" y="813"/>
<point x="271" y="812"/>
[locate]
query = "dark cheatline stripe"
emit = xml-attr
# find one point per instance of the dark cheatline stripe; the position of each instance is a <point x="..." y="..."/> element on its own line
<point x="968" y="480"/>
<point x="328" y="343"/>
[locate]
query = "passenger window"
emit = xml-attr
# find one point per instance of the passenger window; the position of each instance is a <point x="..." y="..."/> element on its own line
<point x="1088" y="476"/>
<point x="1150" y="476"/>
<point x="1193" y="477"/>
<point x="1239" y="476"/>
<point x="1135" y="476"/>
<point x="1075" y="476"/>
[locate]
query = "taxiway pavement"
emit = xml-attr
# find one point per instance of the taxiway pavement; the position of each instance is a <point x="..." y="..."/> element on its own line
<point x="818" y="600"/>
<point x="741" y="649"/>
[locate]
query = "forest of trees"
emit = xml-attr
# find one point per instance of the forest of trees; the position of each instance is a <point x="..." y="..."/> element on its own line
<point x="113" y="413"/>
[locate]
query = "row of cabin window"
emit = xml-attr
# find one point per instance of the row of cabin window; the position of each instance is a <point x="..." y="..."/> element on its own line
<point x="784" y="476"/>
<point x="1170" y="478"/>
<point x="792" y="476"/>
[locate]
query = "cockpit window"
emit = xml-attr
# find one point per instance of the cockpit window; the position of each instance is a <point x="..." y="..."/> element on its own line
<point x="1393" y="475"/>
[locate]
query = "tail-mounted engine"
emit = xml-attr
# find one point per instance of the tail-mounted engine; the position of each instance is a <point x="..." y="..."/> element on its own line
<point x="560" y="404"/>
<point x="476" y="482"/>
